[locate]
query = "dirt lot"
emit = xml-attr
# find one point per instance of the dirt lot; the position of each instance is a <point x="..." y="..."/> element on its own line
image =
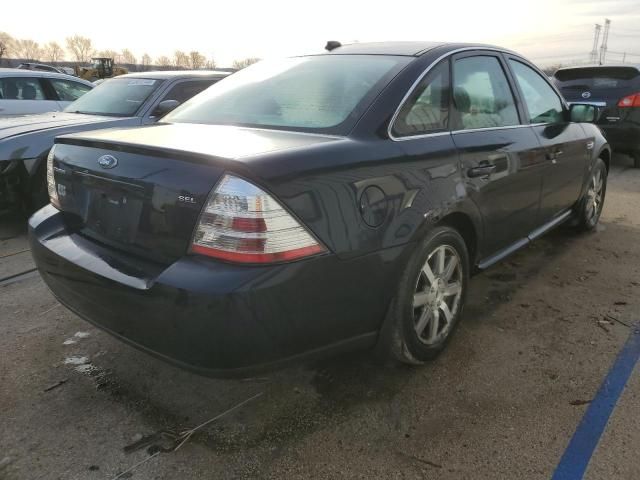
<point x="539" y="335"/>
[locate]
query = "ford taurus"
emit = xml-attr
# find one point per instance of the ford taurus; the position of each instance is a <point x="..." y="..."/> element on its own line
<point x="316" y="204"/>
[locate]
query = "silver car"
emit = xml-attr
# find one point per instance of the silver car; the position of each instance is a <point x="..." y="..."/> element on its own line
<point x="24" y="92"/>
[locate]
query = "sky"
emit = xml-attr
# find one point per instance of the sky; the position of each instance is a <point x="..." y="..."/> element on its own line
<point x="546" y="31"/>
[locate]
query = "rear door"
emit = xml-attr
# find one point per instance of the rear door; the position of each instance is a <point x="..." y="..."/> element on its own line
<point x="564" y="143"/>
<point x="499" y="154"/>
<point x="25" y="96"/>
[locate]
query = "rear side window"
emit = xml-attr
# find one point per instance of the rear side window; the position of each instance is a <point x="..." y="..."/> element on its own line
<point x="16" y="88"/>
<point x="427" y="109"/>
<point x="481" y="94"/>
<point x="542" y="102"/>
<point x="68" y="91"/>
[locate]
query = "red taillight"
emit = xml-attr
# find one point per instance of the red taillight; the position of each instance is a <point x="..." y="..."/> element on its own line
<point x="242" y="223"/>
<point x="630" y="101"/>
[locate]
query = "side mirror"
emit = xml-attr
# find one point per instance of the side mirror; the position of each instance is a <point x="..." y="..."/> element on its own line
<point x="164" y="107"/>
<point x="584" y="112"/>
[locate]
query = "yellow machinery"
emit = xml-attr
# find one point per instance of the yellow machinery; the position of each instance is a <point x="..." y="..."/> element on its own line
<point x="100" y="68"/>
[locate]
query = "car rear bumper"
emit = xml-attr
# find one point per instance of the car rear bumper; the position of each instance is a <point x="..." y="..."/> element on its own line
<point x="215" y="318"/>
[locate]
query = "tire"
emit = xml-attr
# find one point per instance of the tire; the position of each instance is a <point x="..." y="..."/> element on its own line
<point x="590" y="207"/>
<point x="415" y="337"/>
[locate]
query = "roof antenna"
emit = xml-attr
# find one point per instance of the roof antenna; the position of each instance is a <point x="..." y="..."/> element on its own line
<point x="332" y="45"/>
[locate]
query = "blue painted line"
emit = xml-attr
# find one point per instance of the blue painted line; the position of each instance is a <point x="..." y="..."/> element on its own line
<point x="575" y="460"/>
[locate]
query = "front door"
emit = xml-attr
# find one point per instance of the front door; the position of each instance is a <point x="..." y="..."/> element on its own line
<point x="564" y="148"/>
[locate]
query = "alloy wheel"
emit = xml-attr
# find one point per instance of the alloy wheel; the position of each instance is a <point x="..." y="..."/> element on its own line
<point x="594" y="196"/>
<point x="437" y="295"/>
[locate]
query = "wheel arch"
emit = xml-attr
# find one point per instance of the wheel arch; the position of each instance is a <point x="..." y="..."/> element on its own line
<point x="464" y="225"/>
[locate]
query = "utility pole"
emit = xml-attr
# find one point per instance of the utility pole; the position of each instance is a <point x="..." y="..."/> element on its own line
<point x="605" y="38"/>
<point x="594" y="50"/>
<point x="624" y="57"/>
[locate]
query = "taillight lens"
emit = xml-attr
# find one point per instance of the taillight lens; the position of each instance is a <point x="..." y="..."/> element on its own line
<point x="630" y="101"/>
<point x="51" y="181"/>
<point x="242" y="223"/>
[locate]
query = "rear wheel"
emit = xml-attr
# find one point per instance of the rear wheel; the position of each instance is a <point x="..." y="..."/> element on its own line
<point x="430" y="297"/>
<point x="591" y="206"/>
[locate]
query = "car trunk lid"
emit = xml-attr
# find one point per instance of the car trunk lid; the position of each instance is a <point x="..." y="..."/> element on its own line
<point x="142" y="190"/>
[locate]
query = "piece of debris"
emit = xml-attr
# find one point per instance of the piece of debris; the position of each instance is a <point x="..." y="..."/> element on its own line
<point x="611" y="317"/>
<point x="577" y="403"/>
<point x="176" y="439"/>
<point x="620" y="302"/>
<point x="56" y="385"/>
<point x="76" y="360"/>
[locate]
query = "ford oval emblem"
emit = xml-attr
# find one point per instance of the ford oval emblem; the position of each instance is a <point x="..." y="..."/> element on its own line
<point x="586" y="94"/>
<point x="107" y="161"/>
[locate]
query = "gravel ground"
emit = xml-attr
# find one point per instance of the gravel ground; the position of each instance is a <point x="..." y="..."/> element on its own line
<point x="540" y="332"/>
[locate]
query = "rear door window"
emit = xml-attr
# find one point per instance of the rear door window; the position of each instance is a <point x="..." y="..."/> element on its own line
<point x="482" y="95"/>
<point x="542" y="102"/>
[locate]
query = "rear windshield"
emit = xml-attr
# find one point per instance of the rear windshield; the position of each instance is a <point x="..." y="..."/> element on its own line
<point x="598" y="76"/>
<point x="323" y="94"/>
<point x="119" y="97"/>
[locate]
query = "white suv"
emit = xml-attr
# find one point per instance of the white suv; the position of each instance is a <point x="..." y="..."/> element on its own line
<point x="23" y="92"/>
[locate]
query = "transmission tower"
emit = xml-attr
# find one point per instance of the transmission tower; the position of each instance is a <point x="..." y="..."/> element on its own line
<point x="594" y="50"/>
<point x="605" y="38"/>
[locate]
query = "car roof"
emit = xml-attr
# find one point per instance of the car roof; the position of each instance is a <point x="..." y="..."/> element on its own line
<point x="172" y="74"/>
<point x="411" y="49"/>
<point x="21" y="72"/>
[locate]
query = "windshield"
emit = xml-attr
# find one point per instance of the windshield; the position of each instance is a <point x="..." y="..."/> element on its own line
<point x="121" y="97"/>
<point x="324" y="94"/>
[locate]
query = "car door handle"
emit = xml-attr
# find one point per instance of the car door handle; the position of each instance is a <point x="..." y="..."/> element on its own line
<point x="481" y="171"/>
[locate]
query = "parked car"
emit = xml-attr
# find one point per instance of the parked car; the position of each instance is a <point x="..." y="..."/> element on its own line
<point x="45" y="68"/>
<point x="134" y="99"/>
<point x="316" y="204"/>
<point x="24" y="92"/>
<point x="616" y="90"/>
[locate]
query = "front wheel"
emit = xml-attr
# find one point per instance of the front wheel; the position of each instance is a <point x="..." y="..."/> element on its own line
<point x="430" y="297"/>
<point x="591" y="206"/>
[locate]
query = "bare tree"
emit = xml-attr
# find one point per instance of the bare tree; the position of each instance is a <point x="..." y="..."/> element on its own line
<point x="110" y="54"/>
<point x="81" y="48"/>
<point x="163" y="61"/>
<point x="197" y="59"/>
<point x="180" y="59"/>
<point x="211" y="64"/>
<point x="128" y="57"/>
<point x="7" y="45"/>
<point x="146" y="61"/>
<point x="53" y="52"/>
<point x="240" y="64"/>
<point x="28" y="49"/>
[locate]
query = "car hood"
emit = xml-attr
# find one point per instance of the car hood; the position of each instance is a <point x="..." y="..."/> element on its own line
<point x="30" y="136"/>
<point x="219" y="141"/>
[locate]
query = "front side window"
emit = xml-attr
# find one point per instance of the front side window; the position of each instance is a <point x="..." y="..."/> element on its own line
<point x="119" y="97"/>
<point x="543" y="104"/>
<point x="16" y="88"/>
<point x="427" y="109"/>
<point x="185" y="90"/>
<point x="481" y="94"/>
<point x="67" y="90"/>
<point x="323" y="94"/>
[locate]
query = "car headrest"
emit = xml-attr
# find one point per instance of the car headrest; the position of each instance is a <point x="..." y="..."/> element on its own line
<point x="10" y="90"/>
<point x="28" y="92"/>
